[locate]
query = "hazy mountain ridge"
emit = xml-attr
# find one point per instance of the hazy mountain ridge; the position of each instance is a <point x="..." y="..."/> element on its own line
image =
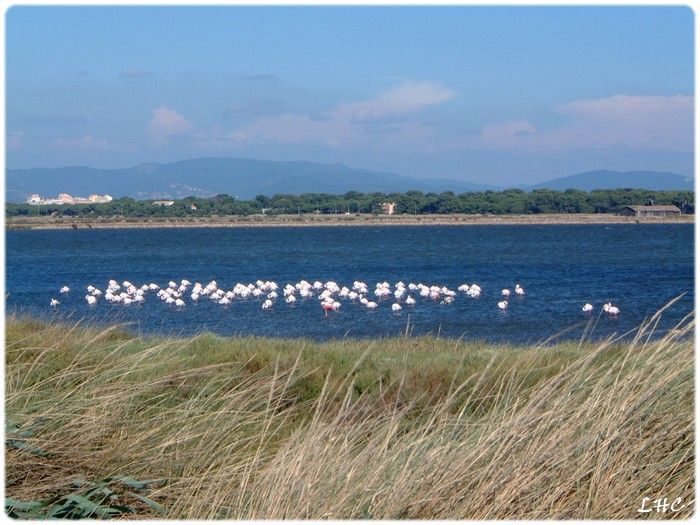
<point x="245" y="178"/>
<point x="204" y="177"/>
<point x="607" y="179"/>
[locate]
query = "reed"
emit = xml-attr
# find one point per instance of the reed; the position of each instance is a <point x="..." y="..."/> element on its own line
<point x="406" y="428"/>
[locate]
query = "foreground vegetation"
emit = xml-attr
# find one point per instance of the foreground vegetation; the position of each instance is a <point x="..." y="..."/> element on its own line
<point x="105" y="424"/>
<point x="507" y="202"/>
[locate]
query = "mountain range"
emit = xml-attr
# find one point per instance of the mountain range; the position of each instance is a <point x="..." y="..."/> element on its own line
<point x="606" y="179"/>
<point x="246" y="178"/>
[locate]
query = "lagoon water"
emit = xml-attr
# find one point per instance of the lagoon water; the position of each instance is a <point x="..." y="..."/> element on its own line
<point x="637" y="267"/>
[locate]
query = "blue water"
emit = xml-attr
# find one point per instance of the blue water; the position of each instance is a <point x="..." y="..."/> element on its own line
<point x="637" y="267"/>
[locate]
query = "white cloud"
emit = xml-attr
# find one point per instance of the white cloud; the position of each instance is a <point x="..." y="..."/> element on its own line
<point x="650" y="122"/>
<point x="414" y="96"/>
<point x="86" y="142"/>
<point x="638" y="122"/>
<point x="387" y="117"/>
<point x="409" y="97"/>
<point x="166" y="123"/>
<point x="394" y="120"/>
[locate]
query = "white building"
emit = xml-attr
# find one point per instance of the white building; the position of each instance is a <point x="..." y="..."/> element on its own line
<point x="65" y="198"/>
<point x="388" y="207"/>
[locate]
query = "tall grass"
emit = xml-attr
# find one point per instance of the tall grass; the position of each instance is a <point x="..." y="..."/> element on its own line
<point x="417" y="428"/>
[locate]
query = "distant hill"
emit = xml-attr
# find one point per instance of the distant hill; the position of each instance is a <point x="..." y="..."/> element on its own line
<point x="246" y="178"/>
<point x="605" y="179"/>
<point x="204" y="177"/>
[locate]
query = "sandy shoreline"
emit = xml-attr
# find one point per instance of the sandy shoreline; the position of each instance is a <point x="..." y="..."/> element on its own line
<point x="57" y="223"/>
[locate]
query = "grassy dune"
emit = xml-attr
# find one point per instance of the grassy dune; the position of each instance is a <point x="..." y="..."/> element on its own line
<point x="418" y="428"/>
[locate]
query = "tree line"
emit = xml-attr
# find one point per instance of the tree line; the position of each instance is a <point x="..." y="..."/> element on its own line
<point x="512" y="201"/>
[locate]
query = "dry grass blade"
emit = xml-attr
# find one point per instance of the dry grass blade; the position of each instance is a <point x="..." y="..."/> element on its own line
<point x="404" y="428"/>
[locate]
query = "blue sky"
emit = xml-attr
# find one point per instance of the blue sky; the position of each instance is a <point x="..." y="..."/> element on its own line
<point x="507" y="95"/>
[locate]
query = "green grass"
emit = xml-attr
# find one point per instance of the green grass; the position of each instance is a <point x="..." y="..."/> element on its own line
<point x="393" y="428"/>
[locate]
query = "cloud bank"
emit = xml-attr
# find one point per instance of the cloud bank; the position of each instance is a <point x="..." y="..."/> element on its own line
<point x="166" y="123"/>
<point x="638" y="122"/>
<point x="396" y="119"/>
<point x="353" y="123"/>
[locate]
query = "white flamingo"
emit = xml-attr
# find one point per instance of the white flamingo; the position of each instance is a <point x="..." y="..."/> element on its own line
<point x="395" y="307"/>
<point x="474" y="291"/>
<point x="64" y="289"/>
<point x="611" y="310"/>
<point x="587" y="308"/>
<point x="503" y="305"/>
<point x="55" y="302"/>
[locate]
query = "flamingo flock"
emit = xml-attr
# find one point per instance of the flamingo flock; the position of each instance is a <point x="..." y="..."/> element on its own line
<point x="329" y="294"/>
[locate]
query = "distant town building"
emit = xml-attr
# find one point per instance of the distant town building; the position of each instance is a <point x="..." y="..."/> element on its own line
<point x="650" y="211"/>
<point x="100" y="198"/>
<point x="193" y="207"/>
<point x="64" y="198"/>
<point x="163" y="203"/>
<point x="388" y="207"/>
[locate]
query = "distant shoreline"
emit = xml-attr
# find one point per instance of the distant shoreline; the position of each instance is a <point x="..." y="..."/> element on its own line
<point x="63" y="223"/>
